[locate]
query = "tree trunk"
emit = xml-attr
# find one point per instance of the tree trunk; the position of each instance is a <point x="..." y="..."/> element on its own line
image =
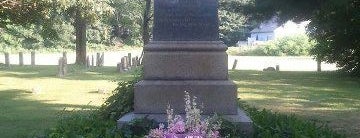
<point x="80" y="29"/>
<point x="146" y="26"/>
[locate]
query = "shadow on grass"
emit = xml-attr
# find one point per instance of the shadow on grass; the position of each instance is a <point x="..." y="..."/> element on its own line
<point x="74" y="73"/>
<point x="326" y="96"/>
<point x="20" y="116"/>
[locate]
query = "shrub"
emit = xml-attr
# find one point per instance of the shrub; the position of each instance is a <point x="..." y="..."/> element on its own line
<point x="269" y="124"/>
<point x="122" y="100"/>
<point x="82" y="124"/>
<point x="297" y="45"/>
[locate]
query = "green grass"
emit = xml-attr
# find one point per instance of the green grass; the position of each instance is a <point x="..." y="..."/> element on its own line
<point x="327" y="97"/>
<point x="23" y="113"/>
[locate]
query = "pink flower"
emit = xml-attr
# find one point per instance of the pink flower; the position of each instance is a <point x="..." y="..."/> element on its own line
<point x="178" y="125"/>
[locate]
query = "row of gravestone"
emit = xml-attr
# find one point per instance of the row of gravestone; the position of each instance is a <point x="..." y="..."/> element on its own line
<point x="127" y="63"/>
<point x="21" y="59"/>
<point x="62" y="63"/>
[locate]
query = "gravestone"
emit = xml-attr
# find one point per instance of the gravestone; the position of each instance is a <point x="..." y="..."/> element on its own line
<point x="7" y="60"/>
<point x="33" y="58"/>
<point x="65" y="57"/>
<point x="129" y="60"/>
<point x="92" y="61"/>
<point x="21" y="59"/>
<point x="186" y="55"/>
<point x="62" y="67"/>
<point x="98" y="58"/>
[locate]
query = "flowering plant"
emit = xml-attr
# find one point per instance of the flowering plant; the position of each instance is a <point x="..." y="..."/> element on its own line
<point x="192" y="127"/>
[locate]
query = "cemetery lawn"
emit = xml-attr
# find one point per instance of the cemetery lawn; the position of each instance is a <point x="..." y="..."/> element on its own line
<point x="325" y="97"/>
<point x="23" y="113"/>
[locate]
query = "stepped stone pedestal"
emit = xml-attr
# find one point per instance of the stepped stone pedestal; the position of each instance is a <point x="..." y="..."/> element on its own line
<point x="186" y="55"/>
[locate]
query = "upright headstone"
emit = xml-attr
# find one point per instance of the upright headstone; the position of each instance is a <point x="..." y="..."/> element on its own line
<point x="61" y="67"/>
<point x="137" y="61"/>
<point x="7" y="59"/>
<point x="235" y="64"/>
<point x="133" y="61"/>
<point x="21" y="58"/>
<point x="102" y="59"/>
<point x="186" y="54"/>
<point x="119" y="67"/>
<point x="277" y="67"/>
<point x="129" y="60"/>
<point x="123" y="64"/>
<point x="92" y="61"/>
<point x="32" y="58"/>
<point x="126" y="63"/>
<point x="65" y="57"/>
<point x="98" y="56"/>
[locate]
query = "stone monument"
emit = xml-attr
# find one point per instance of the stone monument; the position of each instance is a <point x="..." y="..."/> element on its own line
<point x="185" y="54"/>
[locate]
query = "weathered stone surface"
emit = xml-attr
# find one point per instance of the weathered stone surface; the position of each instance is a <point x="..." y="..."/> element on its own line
<point x="185" y="20"/>
<point x="216" y="96"/>
<point x="179" y="65"/>
<point x="7" y="59"/>
<point x="33" y="58"/>
<point x="21" y="58"/>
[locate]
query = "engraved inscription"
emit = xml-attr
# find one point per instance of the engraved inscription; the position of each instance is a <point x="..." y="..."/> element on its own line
<point x="185" y="20"/>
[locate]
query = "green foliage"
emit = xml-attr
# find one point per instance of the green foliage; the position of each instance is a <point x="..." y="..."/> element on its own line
<point x="127" y="20"/>
<point x="334" y="25"/>
<point x="298" y="45"/>
<point x="336" y="28"/>
<point x="138" y="128"/>
<point x="234" y="25"/>
<point x="82" y="124"/>
<point x="122" y="100"/>
<point x="269" y="124"/>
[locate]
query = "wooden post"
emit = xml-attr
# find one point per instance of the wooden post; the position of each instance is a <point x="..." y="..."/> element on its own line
<point x="21" y="58"/>
<point x="235" y="64"/>
<point x="318" y="65"/>
<point x="33" y="58"/>
<point x="98" y="59"/>
<point x="277" y="67"/>
<point x="7" y="60"/>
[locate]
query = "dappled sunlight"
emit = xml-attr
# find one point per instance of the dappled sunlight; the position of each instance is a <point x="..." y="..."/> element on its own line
<point x="321" y="96"/>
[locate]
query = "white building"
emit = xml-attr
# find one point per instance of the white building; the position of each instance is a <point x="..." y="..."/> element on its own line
<point x="271" y="30"/>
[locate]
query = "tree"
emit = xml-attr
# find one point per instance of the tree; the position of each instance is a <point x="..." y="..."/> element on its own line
<point x="82" y="13"/>
<point x="335" y="26"/>
<point x="22" y="11"/>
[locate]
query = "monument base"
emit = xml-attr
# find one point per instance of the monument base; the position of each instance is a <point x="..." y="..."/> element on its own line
<point x="154" y="96"/>
<point x="240" y="119"/>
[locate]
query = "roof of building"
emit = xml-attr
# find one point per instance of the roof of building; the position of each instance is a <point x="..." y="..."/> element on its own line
<point x="266" y="27"/>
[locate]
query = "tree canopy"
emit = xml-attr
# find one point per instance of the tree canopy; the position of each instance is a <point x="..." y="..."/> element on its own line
<point x="335" y="26"/>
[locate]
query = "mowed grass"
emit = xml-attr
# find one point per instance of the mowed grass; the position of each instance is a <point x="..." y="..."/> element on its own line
<point x="23" y="113"/>
<point x="326" y="97"/>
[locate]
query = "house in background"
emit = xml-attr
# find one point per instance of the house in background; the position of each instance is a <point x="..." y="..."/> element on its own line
<point x="271" y="30"/>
